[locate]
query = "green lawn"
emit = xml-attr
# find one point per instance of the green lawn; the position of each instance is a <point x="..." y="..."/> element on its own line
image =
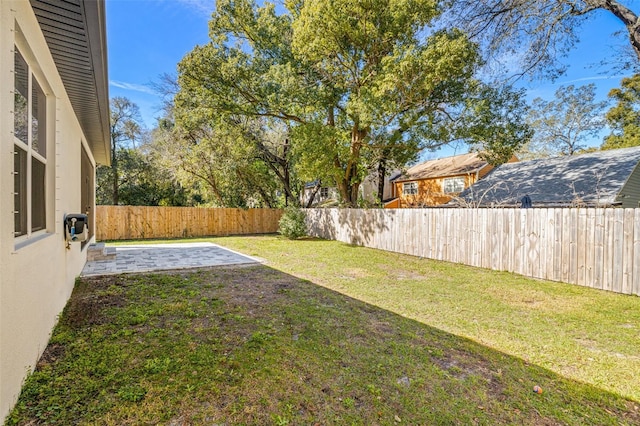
<point x="327" y="333"/>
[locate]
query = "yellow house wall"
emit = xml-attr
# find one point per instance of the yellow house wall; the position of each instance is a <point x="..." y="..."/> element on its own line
<point x="429" y="192"/>
<point x="37" y="275"/>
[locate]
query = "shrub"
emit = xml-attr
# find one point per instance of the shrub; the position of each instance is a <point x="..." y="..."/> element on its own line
<point x="292" y="223"/>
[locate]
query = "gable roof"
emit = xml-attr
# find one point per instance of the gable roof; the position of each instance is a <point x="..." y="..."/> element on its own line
<point x="75" y="31"/>
<point x="588" y="179"/>
<point x="449" y="166"/>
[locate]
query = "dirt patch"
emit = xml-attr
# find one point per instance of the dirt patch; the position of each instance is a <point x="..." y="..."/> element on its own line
<point x="89" y="301"/>
<point x="51" y="354"/>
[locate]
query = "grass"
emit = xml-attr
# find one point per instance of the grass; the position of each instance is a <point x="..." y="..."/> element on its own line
<point x="328" y="333"/>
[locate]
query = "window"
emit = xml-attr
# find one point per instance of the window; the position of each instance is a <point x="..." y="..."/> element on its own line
<point x="410" y="188"/>
<point x="453" y="185"/>
<point x="30" y="150"/>
<point x="324" y="192"/>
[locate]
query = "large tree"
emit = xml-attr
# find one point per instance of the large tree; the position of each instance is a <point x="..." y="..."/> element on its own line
<point x="563" y="125"/>
<point x="224" y="160"/>
<point x="126" y="132"/>
<point x="141" y="182"/>
<point x="357" y="82"/>
<point x="624" y="117"/>
<point x="538" y="33"/>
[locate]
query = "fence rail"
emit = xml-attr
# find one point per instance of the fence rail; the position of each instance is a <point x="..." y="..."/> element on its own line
<point x="598" y="248"/>
<point x="140" y="222"/>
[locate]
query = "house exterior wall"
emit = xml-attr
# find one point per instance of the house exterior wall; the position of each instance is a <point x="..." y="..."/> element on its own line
<point x="369" y="188"/>
<point x="630" y="193"/>
<point x="327" y="195"/>
<point x="430" y="192"/>
<point x="37" y="274"/>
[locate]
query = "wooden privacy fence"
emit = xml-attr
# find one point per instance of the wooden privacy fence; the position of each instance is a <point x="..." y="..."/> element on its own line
<point x="598" y="248"/>
<point x="139" y="222"/>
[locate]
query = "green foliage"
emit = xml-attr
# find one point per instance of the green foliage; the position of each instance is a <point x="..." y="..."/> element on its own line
<point x="234" y="163"/>
<point x="135" y="176"/>
<point x="292" y="223"/>
<point x="494" y="122"/>
<point x="563" y="125"/>
<point x="624" y="117"/>
<point x="359" y="85"/>
<point x="141" y="181"/>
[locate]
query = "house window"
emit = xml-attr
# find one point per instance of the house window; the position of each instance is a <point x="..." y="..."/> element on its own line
<point x="410" y="188"/>
<point x="30" y="150"/>
<point x="453" y="185"/>
<point x="324" y="192"/>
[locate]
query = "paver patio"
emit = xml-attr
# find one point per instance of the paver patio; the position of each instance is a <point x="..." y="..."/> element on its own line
<point x="159" y="257"/>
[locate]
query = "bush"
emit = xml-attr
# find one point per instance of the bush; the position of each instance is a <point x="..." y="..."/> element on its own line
<point x="292" y="223"/>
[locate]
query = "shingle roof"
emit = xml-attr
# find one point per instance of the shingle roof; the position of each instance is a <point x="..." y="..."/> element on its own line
<point x="592" y="179"/>
<point x="449" y="166"/>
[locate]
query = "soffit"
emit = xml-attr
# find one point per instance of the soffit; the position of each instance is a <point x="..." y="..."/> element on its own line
<point x="75" y="31"/>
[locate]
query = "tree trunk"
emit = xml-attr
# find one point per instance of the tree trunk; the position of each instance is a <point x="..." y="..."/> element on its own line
<point x="350" y="182"/>
<point x="626" y="16"/>
<point x="114" y="166"/>
<point x="313" y="194"/>
<point x="382" y="172"/>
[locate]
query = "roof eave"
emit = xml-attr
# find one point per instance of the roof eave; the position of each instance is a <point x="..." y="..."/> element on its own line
<point x="75" y="31"/>
<point x="95" y="20"/>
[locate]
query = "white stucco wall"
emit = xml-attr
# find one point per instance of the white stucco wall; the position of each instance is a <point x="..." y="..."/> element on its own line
<point x="36" y="276"/>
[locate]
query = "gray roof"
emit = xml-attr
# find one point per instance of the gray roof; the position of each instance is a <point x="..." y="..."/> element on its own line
<point x="588" y="179"/>
<point x="75" y="31"/>
<point x="442" y="167"/>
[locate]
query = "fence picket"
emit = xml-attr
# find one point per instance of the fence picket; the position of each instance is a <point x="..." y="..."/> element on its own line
<point x="636" y="254"/>
<point x="618" y="245"/>
<point x="599" y="248"/>
<point x="140" y="222"/>
<point x="581" y="252"/>
<point x="627" y="251"/>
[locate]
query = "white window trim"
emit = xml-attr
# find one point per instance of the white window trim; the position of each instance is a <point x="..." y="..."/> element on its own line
<point x="413" y="188"/>
<point x="33" y="72"/>
<point x="454" y="178"/>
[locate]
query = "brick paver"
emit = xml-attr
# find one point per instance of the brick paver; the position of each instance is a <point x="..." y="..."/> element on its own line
<point x="157" y="257"/>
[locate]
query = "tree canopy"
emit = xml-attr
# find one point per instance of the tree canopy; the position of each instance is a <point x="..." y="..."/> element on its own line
<point x="357" y="84"/>
<point x="134" y="177"/>
<point x="563" y="125"/>
<point x="624" y="117"/>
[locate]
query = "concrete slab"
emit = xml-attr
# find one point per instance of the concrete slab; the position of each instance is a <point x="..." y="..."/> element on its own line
<point x="162" y="257"/>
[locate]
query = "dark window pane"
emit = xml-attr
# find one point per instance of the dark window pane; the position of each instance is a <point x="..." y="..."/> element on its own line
<point x="21" y="96"/>
<point x="38" y="213"/>
<point x="38" y="119"/>
<point x="20" y="191"/>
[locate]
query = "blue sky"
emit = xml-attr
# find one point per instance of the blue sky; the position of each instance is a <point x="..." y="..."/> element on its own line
<point x="147" y="38"/>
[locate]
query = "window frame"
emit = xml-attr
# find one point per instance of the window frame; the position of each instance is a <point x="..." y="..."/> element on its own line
<point x="453" y="179"/>
<point x="31" y="171"/>
<point x="413" y="188"/>
<point x="324" y="192"/>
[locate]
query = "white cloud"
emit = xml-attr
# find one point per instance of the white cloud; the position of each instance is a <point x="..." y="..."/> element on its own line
<point x="131" y="86"/>
<point x="206" y="7"/>
<point x="596" y="77"/>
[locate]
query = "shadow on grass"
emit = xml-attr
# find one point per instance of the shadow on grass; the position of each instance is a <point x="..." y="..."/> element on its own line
<point x="252" y="345"/>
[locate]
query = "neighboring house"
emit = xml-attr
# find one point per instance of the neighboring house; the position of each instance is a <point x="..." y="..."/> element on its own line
<point x="328" y="196"/>
<point x="436" y="182"/>
<point x="325" y="195"/>
<point x="598" y="179"/>
<point x="54" y="121"/>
